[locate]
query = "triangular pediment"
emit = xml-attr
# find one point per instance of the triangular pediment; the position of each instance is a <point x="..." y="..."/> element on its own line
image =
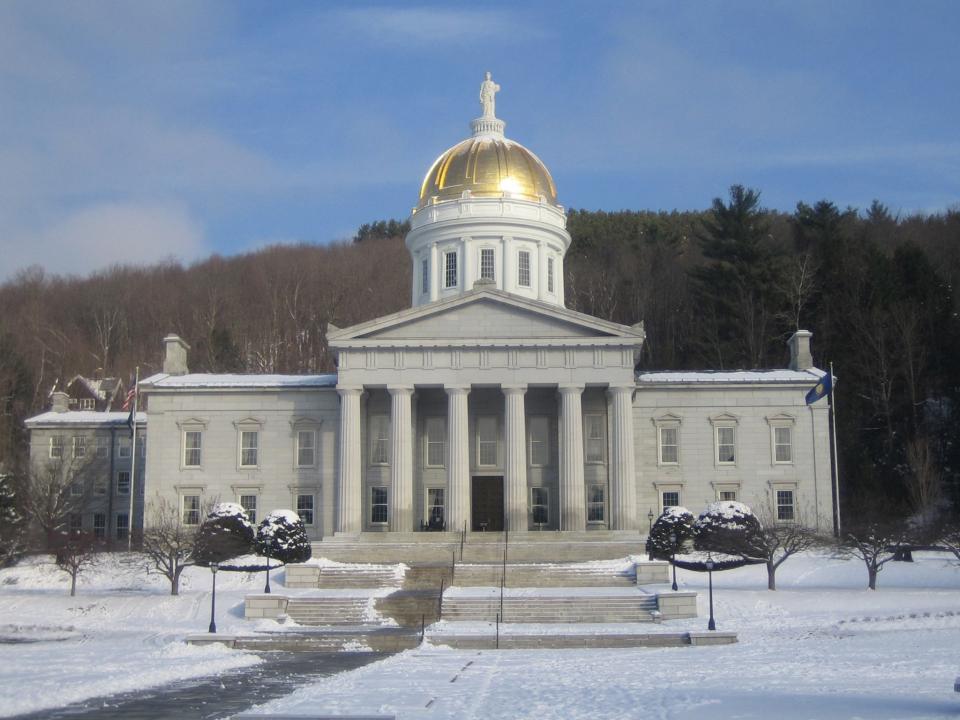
<point x="486" y="315"/>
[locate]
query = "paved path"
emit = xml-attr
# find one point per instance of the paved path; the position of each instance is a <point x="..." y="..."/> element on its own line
<point x="215" y="696"/>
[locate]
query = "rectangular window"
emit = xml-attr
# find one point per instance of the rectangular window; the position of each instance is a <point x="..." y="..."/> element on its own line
<point x="523" y="268"/>
<point x="87" y="404"/>
<point x="669" y="498"/>
<point x="378" y="505"/>
<point x="56" y="446"/>
<point x="785" y="509"/>
<point x="487" y="441"/>
<point x="727" y="495"/>
<point x="249" y="504"/>
<point x="76" y="523"/>
<point x="191" y="509"/>
<point x="425" y="276"/>
<point x="726" y="445"/>
<point x="305" y="508"/>
<point x="306" y="448"/>
<point x="379" y="439"/>
<point x="123" y="526"/>
<point x="435" y="517"/>
<point x="249" y="444"/>
<point x="76" y="489"/>
<point x="436" y="432"/>
<point x="550" y="282"/>
<point x="99" y="525"/>
<point x="539" y="441"/>
<point x="486" y="264"/>
<point x="123" y="447"/>
<point x="79" y="446"/>
<point x="123" y="483"/>
<point x="450" y="269"/>
<point x="103" y="447"/>
<point x="595" y="442"/>
<point x="595" y="503"/>
<point x="192" y="448"/>
<point x="669" y="446"/>
<point x="783" y="444"/>
<point x="540" y="505"/>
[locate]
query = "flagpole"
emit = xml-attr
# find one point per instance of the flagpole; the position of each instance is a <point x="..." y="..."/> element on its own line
<point x="834" y="469"/>
<point x="133" y="459"/>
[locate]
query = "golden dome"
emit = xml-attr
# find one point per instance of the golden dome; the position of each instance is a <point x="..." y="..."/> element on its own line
<point x="488" y="165"/>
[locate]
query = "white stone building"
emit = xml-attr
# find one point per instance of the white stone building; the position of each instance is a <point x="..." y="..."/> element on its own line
<point x="488" y="404"/>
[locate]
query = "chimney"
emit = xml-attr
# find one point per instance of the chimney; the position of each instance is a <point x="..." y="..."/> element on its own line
<point x="61" y="402"/>
<point x="800" y="357"/>
<point x="175" y="355"/>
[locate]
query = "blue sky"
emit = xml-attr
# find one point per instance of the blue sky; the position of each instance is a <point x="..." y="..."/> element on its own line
<point x="131" y="132"/>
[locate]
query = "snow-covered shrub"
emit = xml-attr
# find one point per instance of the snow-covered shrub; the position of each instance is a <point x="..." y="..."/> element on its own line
<point x="282" y="536"/>
<point x="676" y="521"/>
<point x="731" y="528"/>
<point x="225" y="533"/>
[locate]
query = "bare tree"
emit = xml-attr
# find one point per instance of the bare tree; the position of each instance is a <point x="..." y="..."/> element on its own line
<point x="923" y="481"/>
<point x="53" y="491"/>
<point x="780" y="540"/>
<point x="875" y="543"/>
<point x="168" y="544"/>
<point x="76" y="551"/>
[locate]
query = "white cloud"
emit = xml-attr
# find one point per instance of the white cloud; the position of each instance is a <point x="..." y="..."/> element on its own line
<point x="105" y="234"/>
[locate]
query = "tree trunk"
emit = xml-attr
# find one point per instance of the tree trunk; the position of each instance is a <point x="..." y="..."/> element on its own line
<point x="73" y="584"/>
<point x="771" y="575"/>
<point x="175" y="583"/>
<point x="873" y="578"/>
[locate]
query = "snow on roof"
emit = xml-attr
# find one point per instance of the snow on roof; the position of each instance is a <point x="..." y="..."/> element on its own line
<point x="84" y="417"/>
<point x="209" y="380"/>
<point x="734" y="376"/>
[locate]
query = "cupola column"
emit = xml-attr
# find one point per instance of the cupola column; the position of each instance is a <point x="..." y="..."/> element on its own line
<point x="572" y="491"/>
<point x="515" y="458"/>
<point x="458" y="458"/>
<point x="623" y="496"/>
<point x="349" y="499"/>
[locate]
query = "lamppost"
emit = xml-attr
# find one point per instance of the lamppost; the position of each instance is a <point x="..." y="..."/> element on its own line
<point x="650" y="520"/>
<point x="213" y="597"/>
<point x="673" y="558"/>
<point x="709" y="565"/>
<point x="266" y="589"/>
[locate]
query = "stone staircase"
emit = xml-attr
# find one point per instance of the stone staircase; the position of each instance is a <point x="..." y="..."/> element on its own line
<point x="552" y="609"/>
<point x="328" y="610"/>
<point x="541" y="575"/>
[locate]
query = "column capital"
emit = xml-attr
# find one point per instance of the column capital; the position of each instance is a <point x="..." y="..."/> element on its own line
<point x="400" y="389"/>
<point x="457" y="389"/>
<point x="349" y="389"/>
<point x="570" y="388"/>
<point x="513" y="388"/>
<point x="613" y="390"/>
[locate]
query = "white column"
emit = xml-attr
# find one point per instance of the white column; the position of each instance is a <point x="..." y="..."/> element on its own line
<point x="541" y="272"/>
<point x="401" y="459"/>
<point x="458" y="459"/>
<point x="623" y="495"/>
<point x="573" y="515"/>
<point x="349" y="500"/>
<point x="515" y="459"/>
<point x="435" y="271"/>
<point x="466" y="264"/>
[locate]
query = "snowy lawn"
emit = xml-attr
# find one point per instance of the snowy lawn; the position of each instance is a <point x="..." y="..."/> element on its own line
<point x="122" y="632"/>
<point x="820" y="647"/>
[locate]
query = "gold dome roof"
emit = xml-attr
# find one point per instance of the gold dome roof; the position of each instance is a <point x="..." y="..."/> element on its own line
<point x="488" y="165"/>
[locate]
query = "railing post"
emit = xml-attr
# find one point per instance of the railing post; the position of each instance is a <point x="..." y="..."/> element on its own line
<point x="498" y="632"/>
<point x="422" y="627"/>
<point x="440" y="602"/>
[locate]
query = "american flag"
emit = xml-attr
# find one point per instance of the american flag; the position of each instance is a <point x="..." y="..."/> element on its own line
<point x="128" y="402"/>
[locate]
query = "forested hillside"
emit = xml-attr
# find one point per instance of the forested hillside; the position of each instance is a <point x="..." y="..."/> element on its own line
<point x="717" y="289"/>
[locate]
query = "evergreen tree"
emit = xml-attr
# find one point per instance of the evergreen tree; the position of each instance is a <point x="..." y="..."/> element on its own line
<point x="281" y="536"/>
<point x="225" y="533"/>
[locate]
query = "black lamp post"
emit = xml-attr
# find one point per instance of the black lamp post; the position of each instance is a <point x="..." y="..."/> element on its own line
<point x="213" y="597"/>
<point x="266" y="589"/>
<point x="673" y="558"/>
<point x="709" y="565"/>
<point x="649" y="520"/>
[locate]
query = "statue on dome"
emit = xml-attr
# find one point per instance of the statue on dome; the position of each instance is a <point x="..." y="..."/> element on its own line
<point x="488" y="89"/>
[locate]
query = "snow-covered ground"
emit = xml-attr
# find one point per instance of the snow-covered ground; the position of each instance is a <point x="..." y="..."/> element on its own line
<point x="820" y="647"/>
<point x="122" y="632"/>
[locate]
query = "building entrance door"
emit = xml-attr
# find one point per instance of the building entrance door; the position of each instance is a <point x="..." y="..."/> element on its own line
<point x="486" y="504"/>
